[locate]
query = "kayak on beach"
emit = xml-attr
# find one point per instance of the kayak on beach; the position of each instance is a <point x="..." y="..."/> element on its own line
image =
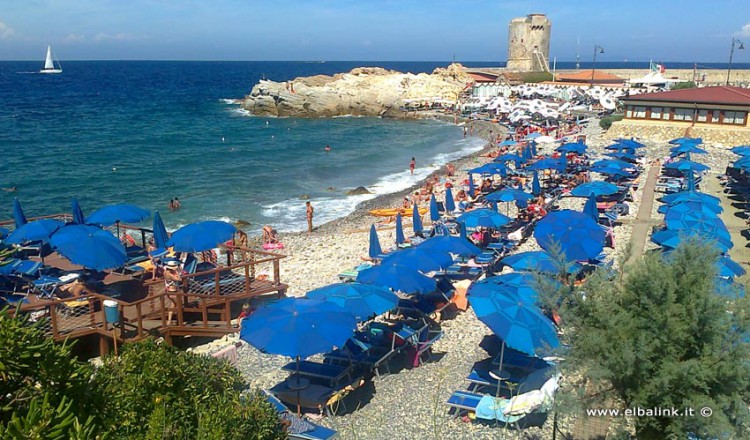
<point x="390" y="212"/>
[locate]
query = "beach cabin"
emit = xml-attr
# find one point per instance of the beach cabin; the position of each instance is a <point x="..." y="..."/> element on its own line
<point x="717" y="114"/>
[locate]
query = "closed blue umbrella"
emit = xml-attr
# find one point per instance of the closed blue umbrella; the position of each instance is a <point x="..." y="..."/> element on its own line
<point x="483" y="218"/>
<point x="361" y="300"/>
<point x="520" y="325"/>
<point x="77" y="212"/>
<point x="423" y="260"/>
<point x="454" y="245"/>
<point x="160" y="232"/>
<point x="596" y="188"/>
<point x="37" y="230"/>
<point x="401" y="278"/>
<point x="687" y="165"/>
<point x="538" y="261"/>
<point x="591" y="209"/>
<point x="89" y="246"/>
<point x="434" y="212"/>
<point x="399" y="230"/>
<point x="471" y="186"/>
<point x="416" y="220"/>
<point x="375" y="250"/>
<point x="201" y="236"/>
<point x="671" y="238"/>
<point x="578" y="235"/>
<point x="119" y="213"/>
<point x="450" y="204"/>
<point x="462" y="231"/>
<point x="563" y="168"/>
<point x="536" y="188"/>
<point x="19" y="218"/>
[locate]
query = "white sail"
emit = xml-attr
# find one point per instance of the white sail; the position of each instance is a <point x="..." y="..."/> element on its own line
<point x="48" y="64"/>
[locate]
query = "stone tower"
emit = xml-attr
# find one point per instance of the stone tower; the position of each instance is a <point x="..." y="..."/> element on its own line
<point x="528" y="43"/>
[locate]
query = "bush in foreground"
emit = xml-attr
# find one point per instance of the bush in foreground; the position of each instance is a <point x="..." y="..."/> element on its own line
<point x="607" y="121"/>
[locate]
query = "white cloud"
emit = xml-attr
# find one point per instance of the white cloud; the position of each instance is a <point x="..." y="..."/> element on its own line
<point x="122" y="36"/>
<point x="745" y="31"/>
<point x="6" y="32"/>
<point x="74" y="38"/>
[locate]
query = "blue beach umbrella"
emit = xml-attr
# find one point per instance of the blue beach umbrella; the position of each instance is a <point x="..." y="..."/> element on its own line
<point x="705" y="205"/>
<point x="399" y="230"/>
<point x="687" y="165"/>
<point x="578" y="235"/>
<point x="491" y="168"/>
<point x="632" y="143"/>
<point x="726" y="267"/>
<point x="690" y="196"/>
<point x="520" y="325"/>
<point x="423" y="260"/>
<point x="545" y="164"/>
<point x="518" y="283"/>
<point x="671" y="239"/>
<point x="596" y="188"/>
<point x="201" y="236"/>
<point x="401" y="278"/>
<point x="612" y="172"/>
<point x="507" y="157"/>
<point x="19" y="218"/>
<point x="454" y="245"/>
<point x="613" y="163"/>
<point x="483" y="218"/>
<point x="77" y="212"/>
<point x="361" y="300"/>
<point x="628" y="157"/>
<point x="621" y="148"/>
<point x="686" y="140"/>
<point x="416" y="220"/>
<point x="37" y="230"/>
<point x="119" y="213"/>
<point x="536" y="188"/>
<point x="450" y="204"/>
<point x="160" y="232"/>
<point x="538" y="261"/>
<point x="89" y="246"/>
<point x="572" y="147"/>
<point x="686" y="149"/>
<point x="728" y="288"/>
<point x="591" y="209"/>
<point x="3" y="233"/>
<point x="532" y="136"/>
<point x="695" y="216"/>
<point x="375" y="250"/>
<point x="508" y="194"/>
<point x="434" y="212"/>
<point x="742" y="150"/>
<point x="471" y="186"/>
<point x="462" y="231"/>
<point x="507" y="143"/>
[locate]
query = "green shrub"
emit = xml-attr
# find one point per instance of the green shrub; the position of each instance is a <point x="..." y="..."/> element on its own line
<point x="607" y="121"/>
<point x="42" y="420"/>
<point x="536" y="77"/>
<point x="683" y="85"/>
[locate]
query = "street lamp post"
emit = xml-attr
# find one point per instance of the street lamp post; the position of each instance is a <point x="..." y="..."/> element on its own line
<point x="598" y="49"/>
<point x="731" y="54"/>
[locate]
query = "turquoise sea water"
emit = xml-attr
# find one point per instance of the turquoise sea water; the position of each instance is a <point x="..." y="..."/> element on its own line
<point x="144" y="132"/>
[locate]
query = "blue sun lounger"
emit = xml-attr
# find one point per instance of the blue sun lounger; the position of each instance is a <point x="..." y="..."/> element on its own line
<point x="463" y="401"/>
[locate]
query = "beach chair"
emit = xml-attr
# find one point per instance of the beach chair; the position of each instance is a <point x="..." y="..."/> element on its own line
<point x="424" y="346"/>
<point x="299" y="428"/>
<point x="462" y="401"/>
<point x="329" y="374"/>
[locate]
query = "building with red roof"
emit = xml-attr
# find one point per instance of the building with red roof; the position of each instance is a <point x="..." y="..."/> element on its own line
<point x="589" y="77"/>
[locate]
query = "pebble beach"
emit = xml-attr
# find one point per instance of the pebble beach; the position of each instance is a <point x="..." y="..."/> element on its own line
<point x="410" y="404"/>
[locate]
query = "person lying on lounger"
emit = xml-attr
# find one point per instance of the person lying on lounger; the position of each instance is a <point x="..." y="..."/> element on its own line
<point x="270" y="235"/>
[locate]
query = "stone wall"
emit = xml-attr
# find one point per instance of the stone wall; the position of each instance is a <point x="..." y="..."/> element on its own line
<point x="662" y="132"/>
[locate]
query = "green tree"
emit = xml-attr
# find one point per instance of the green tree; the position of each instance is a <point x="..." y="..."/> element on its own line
<point x="156" y="391"/>
<point x="683" y="85"/>
<point x="660" y="338"/>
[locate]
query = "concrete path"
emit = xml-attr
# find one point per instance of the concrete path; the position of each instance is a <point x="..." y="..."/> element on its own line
<point x="643" y="221"/>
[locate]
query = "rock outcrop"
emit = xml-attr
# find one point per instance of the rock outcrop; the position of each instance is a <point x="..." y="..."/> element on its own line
<point x="365" y="91"/>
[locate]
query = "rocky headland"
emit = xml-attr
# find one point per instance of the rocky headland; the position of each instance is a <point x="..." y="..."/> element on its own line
<point x="365" y="91"/>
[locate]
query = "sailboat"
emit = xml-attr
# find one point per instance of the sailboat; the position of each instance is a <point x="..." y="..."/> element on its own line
<point x="49" y="65"/>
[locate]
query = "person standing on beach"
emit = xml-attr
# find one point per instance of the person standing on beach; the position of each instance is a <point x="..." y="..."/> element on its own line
<point x="412" y="165"/>
<point x="465" y="130"/>
<point x="310" y="212"/>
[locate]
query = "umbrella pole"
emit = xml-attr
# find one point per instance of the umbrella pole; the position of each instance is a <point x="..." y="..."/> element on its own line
<point x="299" y="407"/>
<point x="500" y="369"/>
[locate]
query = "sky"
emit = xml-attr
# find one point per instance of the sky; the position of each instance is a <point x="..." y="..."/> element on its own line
<point x="367" y="30"/>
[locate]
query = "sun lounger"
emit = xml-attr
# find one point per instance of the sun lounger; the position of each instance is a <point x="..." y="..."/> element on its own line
<point x="299" y="428"/>
<point x="313" y="395"/>
<point x="351" y="274"/>
<point x="463" y="401"/>
<point x="424" y="347"/>
<point x="328" y="373"/>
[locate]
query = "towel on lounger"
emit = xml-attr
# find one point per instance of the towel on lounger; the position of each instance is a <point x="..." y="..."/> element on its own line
<point x="228" y="353"/>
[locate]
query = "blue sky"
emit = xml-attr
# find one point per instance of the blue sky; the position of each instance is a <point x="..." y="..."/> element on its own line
<point x="368" y="30"/>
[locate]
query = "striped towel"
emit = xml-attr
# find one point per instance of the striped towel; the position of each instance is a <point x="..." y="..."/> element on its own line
<point x="228" y="353"/>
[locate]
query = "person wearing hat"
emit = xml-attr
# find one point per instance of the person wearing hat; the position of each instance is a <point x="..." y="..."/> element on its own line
<point x="172" y="280"/>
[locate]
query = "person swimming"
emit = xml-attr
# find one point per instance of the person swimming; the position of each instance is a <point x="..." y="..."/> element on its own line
<point x="328" y="148"/>
<point x="11" y="189"/>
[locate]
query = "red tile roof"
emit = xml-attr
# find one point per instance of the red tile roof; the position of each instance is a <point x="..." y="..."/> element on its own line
<point x="704" y="95"/>
<point x="585" y="75"/>
<point x="482" y="77"/>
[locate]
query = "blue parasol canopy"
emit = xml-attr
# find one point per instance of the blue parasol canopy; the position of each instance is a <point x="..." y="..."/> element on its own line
<point x="37" y="230"/>
<point x="532" y="136"/>
<point x="508" y="194"/>
<point x="671" y="238"/>
<point x="538" y="261"/>
<point x="160" y="232"/>
<point x="742" y="150"/>
<point x="399" y="230"/>
<point x="728" y="288"/>
<point x="691" y="197"/>
<point x="629" y="157"/>
<point x="614" y="172"/>
<point x="119" y="213"/>
<point x="483" y="218"/>
<point x="545" y="164"/>
<point x="19" y="218"/>
<point x="591" y="209"/>
<point x="450" y="204"/>
<point x="578" y="235"/>
<point x="416" y="220"/>
<point x="89" y="246"/>
<point x="434" y="211"/>
<point x="686" y="149"/>
<point x="572" y="147"/>
<point x="613" y="163"/>
<point x="507" y="157"/>
<point x="697" y="217"/>
<point x="298" y="327"/>
<point x="596" y="188"/>
<point x="507" y="143"/>
<point x="424" y="260"/>
<point x="687" y="165"/>
<point x="632" y="143"/>
<point x="471" y="186"/>
<point x="520" y="325"/>
<point x="3" y="233"/>
<point x="686" y="140"/>
<point x="454" y="245"/>
<point x="361" y="300"/>
<point x="77" y="212"/>
<point x="201" y="236"/>
<point x="726" y="267"/>
<point x="491" y="168"/>
<point x="375" y="250"/>
<point x="401" y="278"/>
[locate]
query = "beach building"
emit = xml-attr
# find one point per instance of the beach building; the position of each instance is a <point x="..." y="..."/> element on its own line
<point x="528" y="43"/>
<point x="716" y="114"/>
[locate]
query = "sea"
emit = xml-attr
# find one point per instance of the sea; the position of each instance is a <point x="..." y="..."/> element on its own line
<point x="144" y="132"/>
